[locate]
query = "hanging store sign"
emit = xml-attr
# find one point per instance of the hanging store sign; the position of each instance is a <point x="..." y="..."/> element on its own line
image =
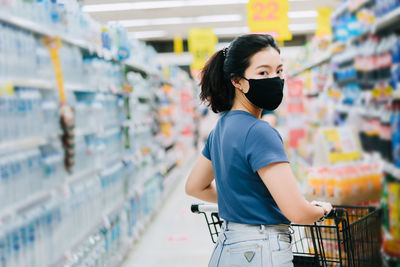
<point x="178" y="45"/>
<point x="201" y="44"/>
<point x="324" y="22"/>
<point x="269" y="16"/>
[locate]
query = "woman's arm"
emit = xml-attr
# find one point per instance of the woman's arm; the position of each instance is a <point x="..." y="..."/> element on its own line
<point x="200" y="182"/>
<point x="279" y="180"/>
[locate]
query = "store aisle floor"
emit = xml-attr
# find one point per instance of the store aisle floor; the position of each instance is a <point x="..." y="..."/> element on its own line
<point x="175" y="237"/>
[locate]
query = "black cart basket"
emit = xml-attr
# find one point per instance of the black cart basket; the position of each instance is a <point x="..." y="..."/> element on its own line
<point x="349" y="237"/>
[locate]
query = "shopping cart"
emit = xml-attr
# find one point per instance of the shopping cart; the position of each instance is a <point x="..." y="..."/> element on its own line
<point x="350" y="236"/>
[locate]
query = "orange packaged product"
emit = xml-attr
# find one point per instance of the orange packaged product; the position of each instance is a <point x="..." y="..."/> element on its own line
<point x="330" y="182"/>
<point x="376" y="177"/>
<point x="366" y="184"/>
<point x="354" y="180"/>
<point x="341" y="187"/>
<point x="313" y="183"/>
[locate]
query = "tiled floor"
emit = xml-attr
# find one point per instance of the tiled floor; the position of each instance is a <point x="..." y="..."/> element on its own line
<point x="175" y="237"/>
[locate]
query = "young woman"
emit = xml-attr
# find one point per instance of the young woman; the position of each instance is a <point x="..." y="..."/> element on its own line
<point x="258" y="196"/>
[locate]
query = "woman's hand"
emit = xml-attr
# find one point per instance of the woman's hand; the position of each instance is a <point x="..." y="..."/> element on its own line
<point x="325" y="205"/>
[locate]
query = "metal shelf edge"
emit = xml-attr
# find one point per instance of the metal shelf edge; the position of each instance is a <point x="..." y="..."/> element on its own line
<point x="21" y="144"/>
<point x="391" y="169"/>
<point x="387" y="20"/>
<point x="312" y="65"/>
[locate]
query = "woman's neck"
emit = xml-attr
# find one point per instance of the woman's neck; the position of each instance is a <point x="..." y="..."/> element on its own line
<point x="242" y="103"/>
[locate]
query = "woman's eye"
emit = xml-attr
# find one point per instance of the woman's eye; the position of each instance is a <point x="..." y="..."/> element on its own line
<point x="279" y="71"/>
<point x="264" y="73"/>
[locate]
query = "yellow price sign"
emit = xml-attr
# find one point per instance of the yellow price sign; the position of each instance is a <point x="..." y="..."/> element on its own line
<point x="324" y="22"/>
<point x="331" y="135"/>
<point x="201" y="44"/>
<point x="269" y="16"/>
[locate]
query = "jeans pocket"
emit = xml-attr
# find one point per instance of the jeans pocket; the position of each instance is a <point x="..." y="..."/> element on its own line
<point x="284" y="256"/>
<point x="246" y="253"/>
<point x="284" y="241"/>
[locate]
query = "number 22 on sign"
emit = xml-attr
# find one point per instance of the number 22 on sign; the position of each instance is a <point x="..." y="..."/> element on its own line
<point x="266" y="11"/>
<point x="269" y="16"/>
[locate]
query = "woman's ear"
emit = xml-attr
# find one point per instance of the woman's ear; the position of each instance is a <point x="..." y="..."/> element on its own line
<point x="236" y="83"/>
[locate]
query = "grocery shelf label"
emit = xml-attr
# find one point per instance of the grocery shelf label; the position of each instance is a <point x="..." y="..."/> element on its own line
<point x="201" y="44"/>
<point x="269" y="16"/>
<point x="324" y="22"/>
<point x="7" y="88"/>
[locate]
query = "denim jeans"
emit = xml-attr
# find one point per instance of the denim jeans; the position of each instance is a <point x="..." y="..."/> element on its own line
<point x="241" y="245"/>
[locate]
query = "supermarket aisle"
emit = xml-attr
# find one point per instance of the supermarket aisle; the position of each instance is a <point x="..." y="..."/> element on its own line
<point x="175" y="237"/>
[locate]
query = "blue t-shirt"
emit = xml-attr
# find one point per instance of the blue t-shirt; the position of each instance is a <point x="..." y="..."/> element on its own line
<point x="238" y="146"/>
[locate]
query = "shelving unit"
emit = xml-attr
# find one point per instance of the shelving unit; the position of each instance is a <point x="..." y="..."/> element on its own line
<point x="387" y="21"/>
<point x="160" y="176"/>
<point x="324" y="59"/>
<point x="43" y="31"/>
<point x="367" y="108"/>
<point x="82" y="44"/>
<point x="392" y="170"/>
<point x="10" y="146"/>
<point x="381" y="24"/>
<point x="84" y="236"/>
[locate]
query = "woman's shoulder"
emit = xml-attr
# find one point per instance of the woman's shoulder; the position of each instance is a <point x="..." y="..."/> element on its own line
<point x="263" y="128"/>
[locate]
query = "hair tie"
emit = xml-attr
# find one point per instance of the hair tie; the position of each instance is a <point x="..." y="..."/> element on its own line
<point x="225" y="51"/>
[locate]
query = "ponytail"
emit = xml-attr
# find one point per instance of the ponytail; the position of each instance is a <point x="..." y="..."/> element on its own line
<point x="216" y="87"/>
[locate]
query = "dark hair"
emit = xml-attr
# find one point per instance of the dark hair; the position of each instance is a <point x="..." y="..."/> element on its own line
<point x="216" y="86"/>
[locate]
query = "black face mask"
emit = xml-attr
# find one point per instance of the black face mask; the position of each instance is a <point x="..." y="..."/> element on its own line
<point x="265" y="93"/>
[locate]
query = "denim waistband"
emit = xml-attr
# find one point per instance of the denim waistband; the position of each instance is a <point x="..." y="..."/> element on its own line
<point x="237" y="232"/>
<point x="277" y="228"/>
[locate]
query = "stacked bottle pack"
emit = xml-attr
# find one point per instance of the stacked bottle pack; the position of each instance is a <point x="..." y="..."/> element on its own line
<point x="40" y="236"/>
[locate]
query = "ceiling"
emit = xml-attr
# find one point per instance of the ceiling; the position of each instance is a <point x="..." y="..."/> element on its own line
<point x="163" y="20"/>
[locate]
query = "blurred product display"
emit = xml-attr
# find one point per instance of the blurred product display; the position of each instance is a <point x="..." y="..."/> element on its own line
<point x="79" y="193"/>
<point x="348" y="151"/>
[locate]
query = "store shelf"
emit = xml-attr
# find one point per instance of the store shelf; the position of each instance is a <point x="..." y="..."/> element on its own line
<point x="31" y="200"/>
<point x="10" y="146"/>
<point x="81" y="175"/>
<point x="51" y="85"/>
<point x="38" y="29"/>
<point x="391" y="169"/>
<point x="140" y="68"/>
<point x="83" y="237"/>
<point x="32" y="83"/>
<point x="317" y="63"/>
<point x="340" y="10"/>
<point x="387" y="21"/>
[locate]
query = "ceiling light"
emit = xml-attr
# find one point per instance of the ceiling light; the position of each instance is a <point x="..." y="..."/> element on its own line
<point x="303" y="14"/>
<point x="244" y="30"/>
<point x="179" y="20"/>
<point x="163" y="4"/>
<point x="147" y="34"/>
<point x="302" y="27"/>
<point x="231" y="30"/>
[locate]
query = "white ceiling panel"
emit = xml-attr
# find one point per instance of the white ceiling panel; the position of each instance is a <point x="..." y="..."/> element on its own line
<point x="157" y="20"/>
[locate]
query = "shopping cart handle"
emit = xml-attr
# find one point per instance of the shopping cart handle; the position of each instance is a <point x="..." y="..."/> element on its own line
<point x="198" y="208"/>
<point x="336" y="213"/>
<point x="195" y="208"/>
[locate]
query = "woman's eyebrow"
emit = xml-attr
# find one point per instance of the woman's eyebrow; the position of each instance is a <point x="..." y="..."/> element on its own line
<point x="268" y="66"/>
